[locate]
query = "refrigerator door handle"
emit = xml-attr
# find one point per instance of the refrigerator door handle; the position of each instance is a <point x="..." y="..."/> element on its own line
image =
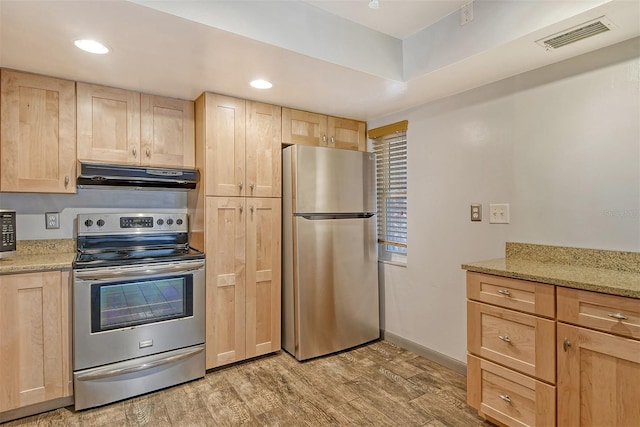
<point x="324" y="216"/>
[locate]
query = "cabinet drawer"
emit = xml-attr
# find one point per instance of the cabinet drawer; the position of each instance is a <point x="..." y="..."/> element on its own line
<point x="521" y="295"/>
<point x="508" y="397"/>
<point x="520" y="341"/>
<point x="610" y="313"/>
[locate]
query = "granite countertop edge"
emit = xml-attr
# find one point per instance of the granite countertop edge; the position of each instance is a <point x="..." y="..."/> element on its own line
<point x="32" y="263"/>
<point x="608" y="281"/>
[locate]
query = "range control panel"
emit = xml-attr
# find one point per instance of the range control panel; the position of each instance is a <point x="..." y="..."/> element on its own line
<point x="132" y="223"/>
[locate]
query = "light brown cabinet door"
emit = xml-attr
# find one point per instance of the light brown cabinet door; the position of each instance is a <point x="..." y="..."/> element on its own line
<point x="346" y="134"/>
<point x="263" y="283"/>
<point x="598" y="377"/>
<point x="263" y="150"/>
<point x="34" y="339"/>
<point x="108" y="124"/>
<point x="224" y="146"/>
<point x="37" y="136"/>
<point x="303" y="127"/>
<point x="167" y="132"/>
<point x="225" y="271"/>
<point x="516" y="340"/>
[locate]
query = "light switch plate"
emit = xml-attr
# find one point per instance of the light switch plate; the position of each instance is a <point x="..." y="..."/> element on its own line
<point x="499" y="213"/>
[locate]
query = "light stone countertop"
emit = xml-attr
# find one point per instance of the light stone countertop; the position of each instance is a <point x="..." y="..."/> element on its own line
<point x="40" y="255"/>
<point x="610" y="272"/>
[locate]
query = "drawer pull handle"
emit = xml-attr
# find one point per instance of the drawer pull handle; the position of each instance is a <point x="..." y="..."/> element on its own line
<point x="505" y="338"/>
<point x="618" y="316"/>
<point x="505" y="397"/>
<point x="566" y="344"/>
<point x="504" y="292"/>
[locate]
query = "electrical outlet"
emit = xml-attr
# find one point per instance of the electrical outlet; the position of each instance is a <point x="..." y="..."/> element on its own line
<point x="499" y="213"/>
<point x="466" y="13"/>
<point x="52" y="220"/>
<point x="476" y="212"/>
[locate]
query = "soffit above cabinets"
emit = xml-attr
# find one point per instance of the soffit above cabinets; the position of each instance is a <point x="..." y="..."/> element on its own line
<point x="316" y="60"/>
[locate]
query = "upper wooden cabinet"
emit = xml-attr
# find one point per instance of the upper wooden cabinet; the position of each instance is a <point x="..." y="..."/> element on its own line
<point x="37" y="136"/>
<point x="263" y="155"/>
<point x="302" y="127"/>
<point x="34" y="339"/>
<point x="125" y="127"/>
<point x="347" y="134"/>
<point x="241" y="146"/>
<point x="167" y="132"/>
<point x="108" y="124"/>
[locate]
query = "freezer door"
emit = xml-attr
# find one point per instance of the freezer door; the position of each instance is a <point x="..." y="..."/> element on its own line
<point x="333" y="180"/>
<point x="337" y="285"/>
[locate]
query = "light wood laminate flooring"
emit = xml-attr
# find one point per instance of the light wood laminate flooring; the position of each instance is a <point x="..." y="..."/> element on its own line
<point x="378" y="384"/>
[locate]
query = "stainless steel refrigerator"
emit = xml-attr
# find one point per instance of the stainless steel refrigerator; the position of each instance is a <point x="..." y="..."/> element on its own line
<point x="330" y="274"/>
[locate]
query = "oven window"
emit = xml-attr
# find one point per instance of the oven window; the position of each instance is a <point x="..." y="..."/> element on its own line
<point x="126" y="304"/>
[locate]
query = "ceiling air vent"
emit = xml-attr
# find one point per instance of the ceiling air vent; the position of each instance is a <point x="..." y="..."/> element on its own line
<point x="577" y="33"/>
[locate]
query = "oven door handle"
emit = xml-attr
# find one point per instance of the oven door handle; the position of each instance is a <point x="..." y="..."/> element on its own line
<point x="131" y="271"/>
<point x="101" y="373"/>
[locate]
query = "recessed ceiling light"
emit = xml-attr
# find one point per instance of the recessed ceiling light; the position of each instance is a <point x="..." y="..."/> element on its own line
<point x="261" y="84"/>
<point x="374" y="4"/>
<point x="91" y="46"/>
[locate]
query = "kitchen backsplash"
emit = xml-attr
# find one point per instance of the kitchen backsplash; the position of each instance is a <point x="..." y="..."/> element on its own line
<point x="30" y="208"/>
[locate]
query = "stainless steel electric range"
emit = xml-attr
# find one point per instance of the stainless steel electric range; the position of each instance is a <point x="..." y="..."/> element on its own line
<point x="139" y="306"/>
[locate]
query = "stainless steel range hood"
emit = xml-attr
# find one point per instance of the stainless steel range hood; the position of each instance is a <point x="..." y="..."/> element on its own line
<point x="94" y="175"/>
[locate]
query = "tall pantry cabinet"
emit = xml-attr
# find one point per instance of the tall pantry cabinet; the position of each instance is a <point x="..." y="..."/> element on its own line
<point x="236" y="218"/>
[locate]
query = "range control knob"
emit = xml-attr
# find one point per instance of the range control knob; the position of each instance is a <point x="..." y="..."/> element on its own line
<point x="100" y="222"/>
<point x="169" y="221"/>
<point x="179" y="221"/>
<point x="160" y="221"/>
<point x="88" y="223"/>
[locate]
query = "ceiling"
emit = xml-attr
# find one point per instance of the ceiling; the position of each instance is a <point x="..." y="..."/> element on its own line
<point x="334" y="57"/>
<point x="397" y="18"/>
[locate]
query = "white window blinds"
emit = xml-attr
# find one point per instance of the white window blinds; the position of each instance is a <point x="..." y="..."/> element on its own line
<point x="390" y="146"/>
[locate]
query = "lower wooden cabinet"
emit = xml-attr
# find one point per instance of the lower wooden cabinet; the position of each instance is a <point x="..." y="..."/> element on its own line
<point x="516" y="378"/>
<point x="34" y="339"/>
<point x="598" y="378"/>
<point x="509" y="397"/>
<point x="243" y="278"/>
<point x="519" y="341"/>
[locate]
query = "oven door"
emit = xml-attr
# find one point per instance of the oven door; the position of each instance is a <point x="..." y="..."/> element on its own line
<point x="121" y="313"/>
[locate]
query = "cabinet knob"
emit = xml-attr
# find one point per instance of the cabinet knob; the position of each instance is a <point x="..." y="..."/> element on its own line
<point x="251" y="208"/>
<point x="241" y="185"/>
<point x="241" y="208"/>
<point x="505" y="397"/>
<point x="251" y="187"/>
<point x="333" y="141"/>
<point x="618" y="316"/>
<point x="148" y="153"/>
<point x="505" y="338"/>
<point x="324" y="139"/>
<point x="566" y="344"/>
<point x="504" y="292"/>
<point x="134" y="151"/>
<point x="66" y="181"/>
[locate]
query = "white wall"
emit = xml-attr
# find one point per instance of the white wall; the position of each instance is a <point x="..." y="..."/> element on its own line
<point x="560" y="144"/>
